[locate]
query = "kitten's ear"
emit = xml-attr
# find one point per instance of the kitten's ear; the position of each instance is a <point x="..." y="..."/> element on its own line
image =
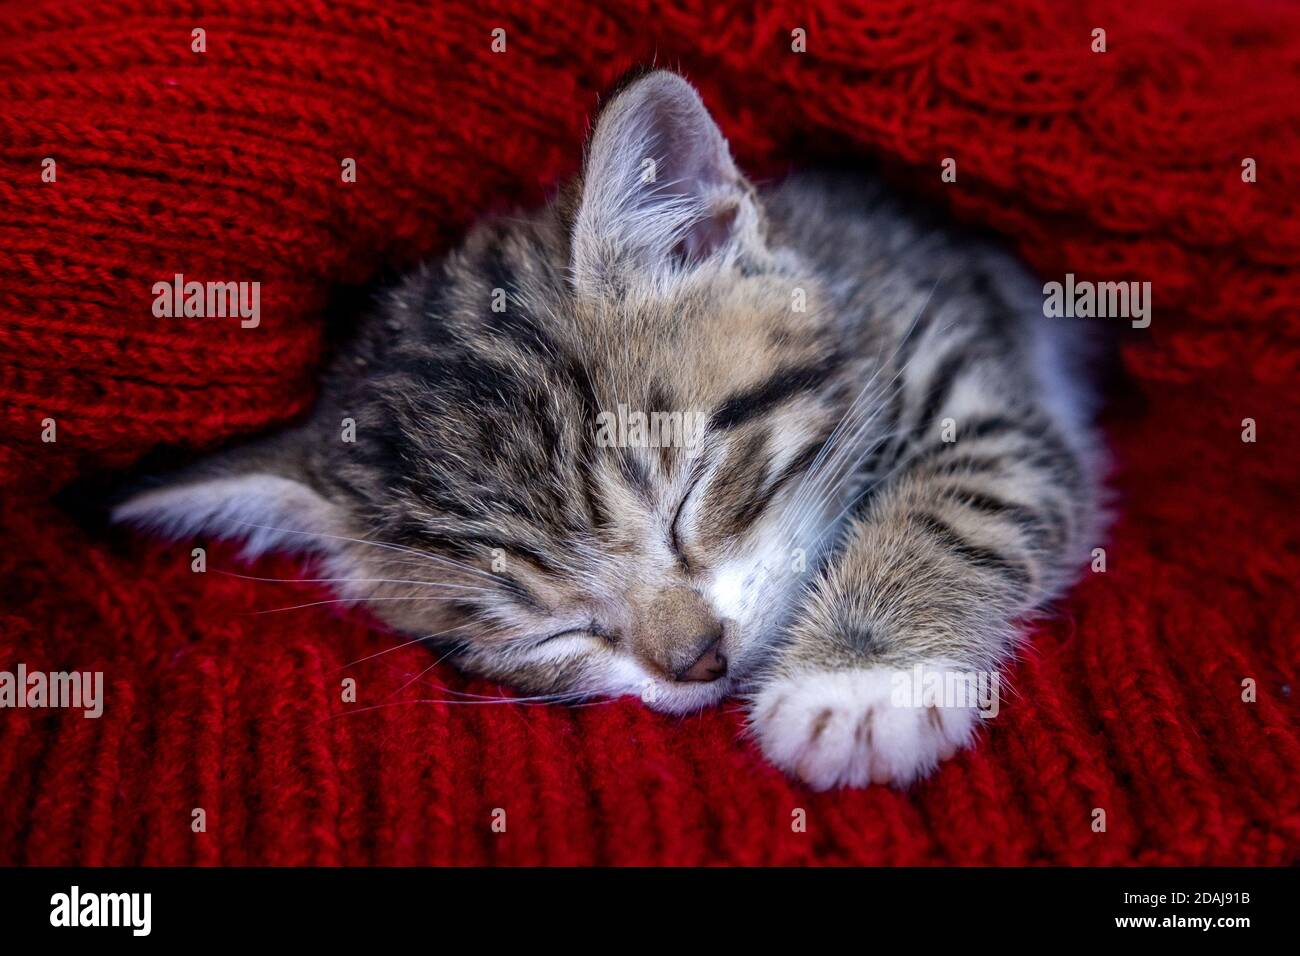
<point x="660" y="191"/>
<point x="259" y="494"/>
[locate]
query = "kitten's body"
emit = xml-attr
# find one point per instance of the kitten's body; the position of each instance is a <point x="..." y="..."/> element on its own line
<point x="825" y="533"/>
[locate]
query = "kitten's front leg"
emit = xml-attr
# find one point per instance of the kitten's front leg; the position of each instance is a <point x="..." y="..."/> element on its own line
<point x="892" y="655"/>
<point x="839" y="708"/>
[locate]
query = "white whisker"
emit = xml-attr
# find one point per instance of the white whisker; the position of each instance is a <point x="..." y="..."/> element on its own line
<point x="295" y="607"/>
<point x="252" y="577"/>
<point x="806" y="501"/>
<point x="402" y="549"/>
<point x="398" y="647"/>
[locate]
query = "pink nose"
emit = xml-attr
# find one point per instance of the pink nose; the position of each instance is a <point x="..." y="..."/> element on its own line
<point x="709" y="666"/>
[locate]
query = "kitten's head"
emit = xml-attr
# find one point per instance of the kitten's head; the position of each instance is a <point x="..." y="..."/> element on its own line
<point x="574" y="448"/>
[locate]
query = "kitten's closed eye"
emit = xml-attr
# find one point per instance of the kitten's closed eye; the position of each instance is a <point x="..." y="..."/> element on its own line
<point x="567" y="632"/>
<point x="591" y="631"/>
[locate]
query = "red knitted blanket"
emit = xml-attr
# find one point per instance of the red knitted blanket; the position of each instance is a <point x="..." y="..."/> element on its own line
<point x="1164" y="691"/>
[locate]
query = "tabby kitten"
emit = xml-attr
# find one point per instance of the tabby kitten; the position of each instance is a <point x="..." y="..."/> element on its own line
<point x="887" y="464"/>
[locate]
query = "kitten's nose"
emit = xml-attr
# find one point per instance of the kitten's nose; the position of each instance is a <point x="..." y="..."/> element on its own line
<point x="680" y="637"/>
<point x="709" y="666"/>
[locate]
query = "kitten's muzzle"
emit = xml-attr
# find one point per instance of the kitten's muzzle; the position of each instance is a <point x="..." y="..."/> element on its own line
<point x="681" y="638"/>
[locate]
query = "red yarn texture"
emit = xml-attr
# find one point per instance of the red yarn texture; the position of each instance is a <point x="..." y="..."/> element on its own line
<point x="225" y="165"/>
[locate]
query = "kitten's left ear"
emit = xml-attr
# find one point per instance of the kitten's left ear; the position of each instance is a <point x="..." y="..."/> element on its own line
<point x="260" y="494"/>
<point x="660" y="191"/>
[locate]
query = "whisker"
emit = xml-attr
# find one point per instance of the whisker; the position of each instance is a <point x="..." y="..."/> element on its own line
<point x="824" y="497"/>
<point x="834" y="474"/>
<point x="861" y="429"/>
<point x="573" y="700"/>
<point x="854" y="409"/>
<point x="252" y="577"/>
<point x="425" y="671"/>
<point x="398" y="647"/>
<point x="402" y="549"/>
<point x="871" y="486"/>
<point x="295" y="607"/>
<point x="867" y="450"/>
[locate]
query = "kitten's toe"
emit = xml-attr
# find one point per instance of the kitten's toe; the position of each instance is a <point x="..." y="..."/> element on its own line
<point x="856" y="727"/>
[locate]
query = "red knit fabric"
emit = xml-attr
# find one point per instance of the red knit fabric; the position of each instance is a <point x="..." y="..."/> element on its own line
<point x="225" y="165"/>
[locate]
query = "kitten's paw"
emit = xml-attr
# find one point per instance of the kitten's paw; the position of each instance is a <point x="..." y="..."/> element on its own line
<point x="855" y="727"/>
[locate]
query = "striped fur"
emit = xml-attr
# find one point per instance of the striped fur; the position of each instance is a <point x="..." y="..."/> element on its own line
<point x="823" y="330"/>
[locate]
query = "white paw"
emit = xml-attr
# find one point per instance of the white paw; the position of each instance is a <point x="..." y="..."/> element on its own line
<point x="854" y="727"/>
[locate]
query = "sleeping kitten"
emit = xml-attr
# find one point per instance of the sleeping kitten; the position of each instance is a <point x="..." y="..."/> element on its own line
<point x="675" y="438"/>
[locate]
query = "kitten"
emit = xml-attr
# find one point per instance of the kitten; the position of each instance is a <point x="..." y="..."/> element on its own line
<point x="894" y="464"/>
